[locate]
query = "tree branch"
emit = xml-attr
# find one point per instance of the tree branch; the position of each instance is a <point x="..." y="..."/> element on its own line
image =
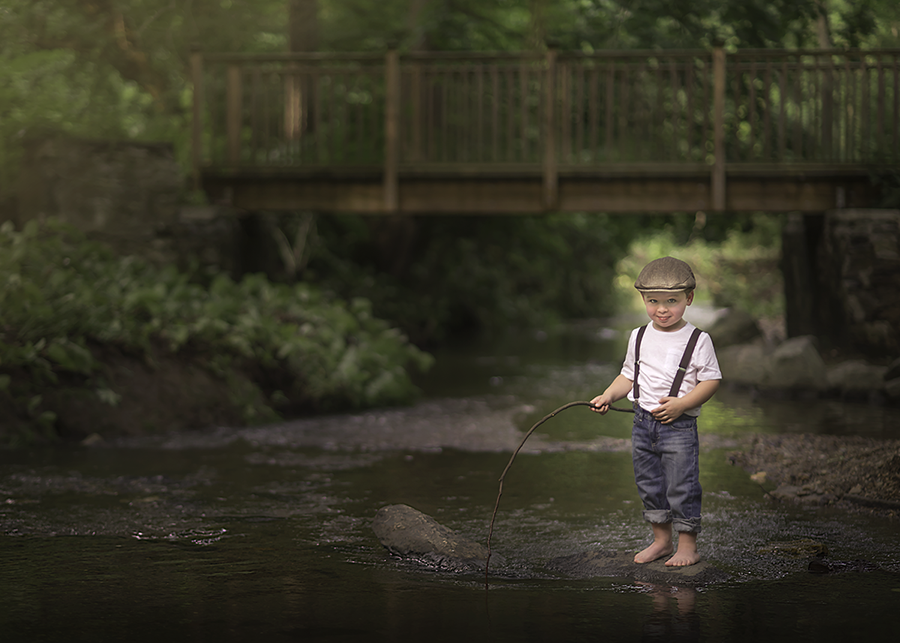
<point x="122" y="51"/>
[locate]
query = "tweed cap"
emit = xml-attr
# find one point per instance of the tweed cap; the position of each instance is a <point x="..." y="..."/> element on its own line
<point x="667" y="274"/>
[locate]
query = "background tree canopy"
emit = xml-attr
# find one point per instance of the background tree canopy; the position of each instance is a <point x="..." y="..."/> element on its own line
<point x="119" y="69"/>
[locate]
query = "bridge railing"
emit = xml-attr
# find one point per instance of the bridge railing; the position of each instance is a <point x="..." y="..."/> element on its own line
<point x="813" y="106"/>
<point x="550" y="112"/>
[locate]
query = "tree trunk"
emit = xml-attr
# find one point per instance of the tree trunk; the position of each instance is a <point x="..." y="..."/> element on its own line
<point x="303" y="25"/>
<point x="537" y="37"/>
<point x="823" y="36"/>
<point x="823" y="31"/>
<point x="415" y="25"/>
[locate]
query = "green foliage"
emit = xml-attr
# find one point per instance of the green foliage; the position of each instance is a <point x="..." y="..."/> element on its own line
<point x="475" y="25"/>
<point x="61" y="295"/>
<point x="114" y="68"/>
<point x="737" y="267"/>
<point x="470" y="274"/>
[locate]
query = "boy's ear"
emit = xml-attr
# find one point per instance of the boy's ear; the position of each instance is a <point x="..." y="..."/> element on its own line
<point x="690" y="298"/>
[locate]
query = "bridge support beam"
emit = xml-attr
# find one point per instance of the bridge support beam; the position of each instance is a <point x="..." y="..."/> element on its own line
<point x="616" y="189"/>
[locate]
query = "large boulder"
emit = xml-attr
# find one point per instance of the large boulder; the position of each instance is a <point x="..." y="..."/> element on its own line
<point x="746" y="364"/>
<point x="892" y="371"/>
<point x="856" y="378"/>
<point x="892" y="388"/>
<point x="734" y="327"/>
<point x="407" y="532"/>
<point x="797" y="364"/>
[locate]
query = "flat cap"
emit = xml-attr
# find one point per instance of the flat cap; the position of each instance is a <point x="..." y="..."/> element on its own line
<point x="667" y="274"/>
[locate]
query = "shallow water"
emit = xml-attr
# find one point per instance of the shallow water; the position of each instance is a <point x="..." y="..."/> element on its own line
<point x="238" y="534"/>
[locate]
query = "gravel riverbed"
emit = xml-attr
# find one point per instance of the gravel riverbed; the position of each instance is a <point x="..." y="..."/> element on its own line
<point x="852" y="472"/>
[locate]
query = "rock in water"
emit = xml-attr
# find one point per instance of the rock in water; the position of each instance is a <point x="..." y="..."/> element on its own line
<point x="407" y="532"/>
<point x="594" y="564"/>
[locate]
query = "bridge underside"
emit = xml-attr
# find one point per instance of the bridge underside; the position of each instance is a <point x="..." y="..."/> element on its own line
<point x="475" y="191"/>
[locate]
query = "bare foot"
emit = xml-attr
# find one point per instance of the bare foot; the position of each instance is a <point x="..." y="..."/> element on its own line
<point x="654" y="552"/>
<point x="683" y="559"/>
<point x="687" y="551"/>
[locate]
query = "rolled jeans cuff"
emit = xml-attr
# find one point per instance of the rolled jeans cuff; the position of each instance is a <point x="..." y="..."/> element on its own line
<point x="664" y="516"/>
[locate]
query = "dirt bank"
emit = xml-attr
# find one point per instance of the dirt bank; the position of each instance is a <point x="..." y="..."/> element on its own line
<point x="855" y="473"/>
<point x="132" y="395"/>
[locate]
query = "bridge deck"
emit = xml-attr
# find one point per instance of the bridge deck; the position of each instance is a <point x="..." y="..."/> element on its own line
<point x="526" y="133"/>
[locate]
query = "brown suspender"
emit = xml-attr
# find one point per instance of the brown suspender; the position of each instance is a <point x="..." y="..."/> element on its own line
<point x="685" y="361"/>
<point x="637" y="361"/>
<point x="682" y="368"/>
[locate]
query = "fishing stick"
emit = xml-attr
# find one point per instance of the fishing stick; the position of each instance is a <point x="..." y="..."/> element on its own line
<point x="513" y="457"/>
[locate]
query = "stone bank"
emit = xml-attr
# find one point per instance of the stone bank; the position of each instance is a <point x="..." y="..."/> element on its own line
<point x="128" y="194"/>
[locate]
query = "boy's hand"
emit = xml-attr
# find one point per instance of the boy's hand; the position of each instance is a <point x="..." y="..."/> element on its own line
<point x="615" y="392"/>
<point x="600" y="404"/>
<point x="669" y="409"/>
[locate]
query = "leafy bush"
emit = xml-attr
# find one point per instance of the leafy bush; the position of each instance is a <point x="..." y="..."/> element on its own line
<point x="63" y="296"/>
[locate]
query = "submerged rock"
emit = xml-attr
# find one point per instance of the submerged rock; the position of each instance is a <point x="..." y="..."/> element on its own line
<point x="820" y="566"/>
<point x="599" y="563"/>
<point x="856" y="377"/>
<point x="798" y="548"/>
<point x="407" y="532"/>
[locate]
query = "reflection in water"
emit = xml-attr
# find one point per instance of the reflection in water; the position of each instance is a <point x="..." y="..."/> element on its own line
<point x="674" y="615"/>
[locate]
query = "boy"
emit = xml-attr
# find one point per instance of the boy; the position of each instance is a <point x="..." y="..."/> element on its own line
<point x="666" y="395"/>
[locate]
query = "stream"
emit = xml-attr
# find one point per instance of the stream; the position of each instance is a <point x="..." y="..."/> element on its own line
<point x="264" y="533"/>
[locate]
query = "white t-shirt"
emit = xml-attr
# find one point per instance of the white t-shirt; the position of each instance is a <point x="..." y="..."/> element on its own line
<point x="661" y="354"/>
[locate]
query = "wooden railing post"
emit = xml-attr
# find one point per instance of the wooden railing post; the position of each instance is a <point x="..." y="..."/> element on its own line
<point x="233" y="114"/>
<point x="718" y="169"/>
<point x="196" y="115"/>
<point x="391" y="128"/>
<point x="418" y="112"/>
<point x="293" y="109"/>
<point x="550" y="168"/>
<point x="827" y="91"/>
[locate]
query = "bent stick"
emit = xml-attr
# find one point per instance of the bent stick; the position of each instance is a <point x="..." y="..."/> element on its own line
<point x="513" y="457"/>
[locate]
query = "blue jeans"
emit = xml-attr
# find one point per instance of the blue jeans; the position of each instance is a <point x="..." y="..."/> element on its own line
<point x="667" y="469"/>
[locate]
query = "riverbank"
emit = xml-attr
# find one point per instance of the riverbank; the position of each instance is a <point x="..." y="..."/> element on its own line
<point x="97" y="344"/>
<point x="850" y="472"/>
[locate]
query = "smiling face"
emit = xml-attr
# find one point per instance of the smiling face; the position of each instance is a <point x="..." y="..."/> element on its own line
<point x="666" y="309"/>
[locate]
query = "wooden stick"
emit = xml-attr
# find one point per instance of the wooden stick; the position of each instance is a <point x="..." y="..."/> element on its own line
<point x="513" y="457"/>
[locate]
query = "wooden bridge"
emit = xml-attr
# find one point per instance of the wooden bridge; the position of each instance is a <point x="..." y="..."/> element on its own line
<point x="489" y="133"/>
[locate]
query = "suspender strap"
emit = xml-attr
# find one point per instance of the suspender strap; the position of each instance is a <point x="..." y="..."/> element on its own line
<point x="685" y="360"/>
<point x="637" y="362"/>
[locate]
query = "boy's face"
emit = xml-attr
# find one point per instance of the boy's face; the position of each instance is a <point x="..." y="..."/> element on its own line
<point x="666" y="309"/>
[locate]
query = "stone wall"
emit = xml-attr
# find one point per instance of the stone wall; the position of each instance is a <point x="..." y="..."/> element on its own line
<point x="842" y="280"/>
<point x="112" y="187"/>
<point x="127" y="194"/>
